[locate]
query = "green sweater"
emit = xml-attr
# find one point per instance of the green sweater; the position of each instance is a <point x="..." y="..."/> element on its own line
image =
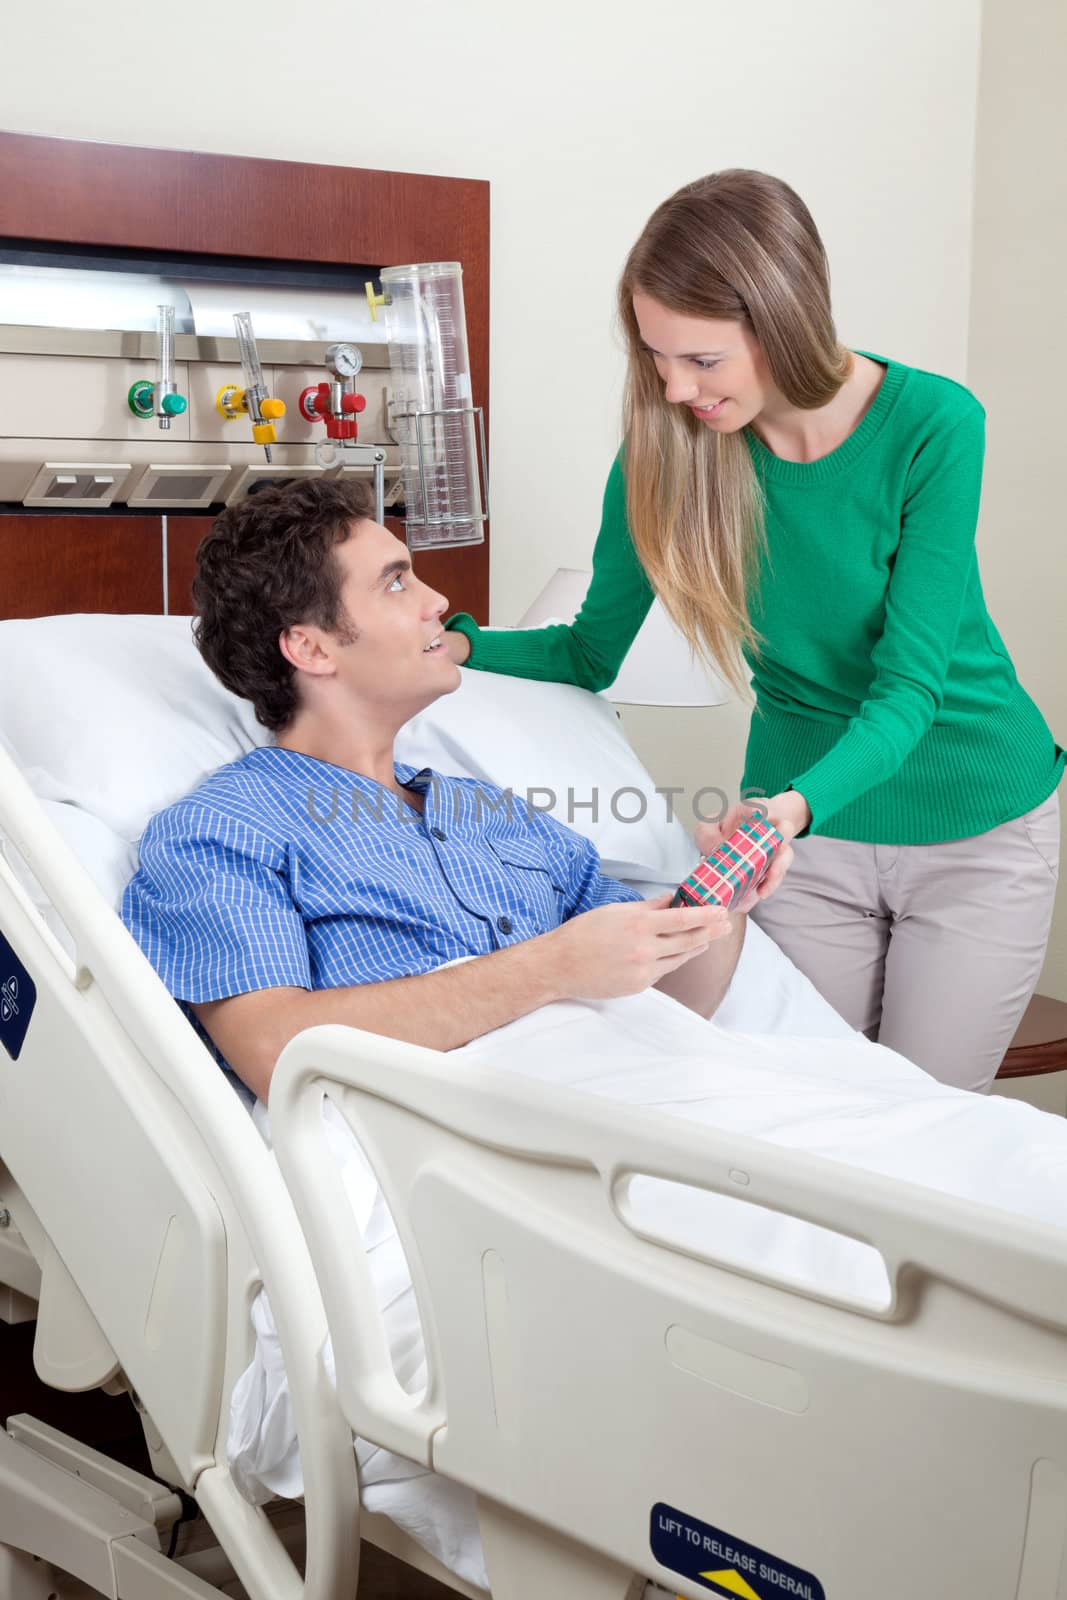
<point x="884" y="694"/>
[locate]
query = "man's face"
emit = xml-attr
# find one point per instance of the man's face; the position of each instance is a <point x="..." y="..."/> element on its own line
<point x="393" y="663"/>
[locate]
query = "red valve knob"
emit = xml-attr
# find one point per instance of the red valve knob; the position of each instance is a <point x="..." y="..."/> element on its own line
<point x="341" y="427"/>
<point x="314" y="401"/>
<point x="353" y="402"/>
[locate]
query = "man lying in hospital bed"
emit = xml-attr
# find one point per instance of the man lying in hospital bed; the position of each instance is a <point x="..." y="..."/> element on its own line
<point x="315" y="880"/>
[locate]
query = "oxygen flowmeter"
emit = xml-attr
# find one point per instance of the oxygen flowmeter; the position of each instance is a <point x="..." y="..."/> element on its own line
<point x="160" y="399"/>
<point x="253" y="400"/>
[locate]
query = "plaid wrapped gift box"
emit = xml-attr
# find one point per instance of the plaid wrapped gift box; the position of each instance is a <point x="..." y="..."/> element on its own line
<point x="737" y="866"/>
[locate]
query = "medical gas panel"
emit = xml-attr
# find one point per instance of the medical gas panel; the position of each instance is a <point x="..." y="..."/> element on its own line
<point x="154" y="418"/>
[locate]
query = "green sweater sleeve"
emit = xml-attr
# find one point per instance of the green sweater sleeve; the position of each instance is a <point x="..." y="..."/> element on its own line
<point x="932" y="569"/>
<point x="590" y="650"/>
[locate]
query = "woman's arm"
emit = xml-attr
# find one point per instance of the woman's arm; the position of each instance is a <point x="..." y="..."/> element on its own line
<point x="934" y="565"/>
<point x="590" y="650"/>
<point x="701" y="984"/>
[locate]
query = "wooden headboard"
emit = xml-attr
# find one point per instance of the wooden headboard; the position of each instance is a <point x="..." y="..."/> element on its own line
<point x="70" y="192"/>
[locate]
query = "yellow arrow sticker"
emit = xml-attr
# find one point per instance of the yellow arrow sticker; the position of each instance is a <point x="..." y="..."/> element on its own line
<point x="733" y="1583"/>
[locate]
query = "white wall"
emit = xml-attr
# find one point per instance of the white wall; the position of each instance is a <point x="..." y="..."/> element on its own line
<point x="1018" y="356"/>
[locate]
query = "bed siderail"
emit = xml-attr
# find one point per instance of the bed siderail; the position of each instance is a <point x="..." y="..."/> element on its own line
<point x="622" y="1409"/>
<point x="153" y="1212"/>
<point x="588" y="1378"/>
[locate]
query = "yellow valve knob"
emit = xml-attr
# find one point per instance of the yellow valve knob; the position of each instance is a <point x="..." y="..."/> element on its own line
<point x="272" y="409"/>
<point x="263" y="432"/>
<point x="374" y="301"/>
<point x="230" y="402"/>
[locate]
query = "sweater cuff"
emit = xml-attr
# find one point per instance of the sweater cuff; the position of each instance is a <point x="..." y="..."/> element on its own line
<point x="842" y="775"/>
<point x="515" y="652"/>
<point x="486" y="654"/>
<point x="462" y="622"/>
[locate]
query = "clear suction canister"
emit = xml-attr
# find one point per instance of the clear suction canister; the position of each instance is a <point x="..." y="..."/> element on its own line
<point x="439" y="431"/>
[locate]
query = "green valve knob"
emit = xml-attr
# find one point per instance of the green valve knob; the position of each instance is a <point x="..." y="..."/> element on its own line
<point x="139" y="399"/>
<point x="173" y="405"/>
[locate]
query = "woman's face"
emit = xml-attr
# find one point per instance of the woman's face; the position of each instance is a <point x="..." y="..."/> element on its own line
<point x="715" y="368"/>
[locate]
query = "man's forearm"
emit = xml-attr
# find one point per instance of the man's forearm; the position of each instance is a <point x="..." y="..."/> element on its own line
<point x="452" y="1005"/>
<point x="701" y="984"/>
<point x="441" y="1010"/>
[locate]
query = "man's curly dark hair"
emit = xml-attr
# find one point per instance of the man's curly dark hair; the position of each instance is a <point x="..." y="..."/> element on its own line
<point x="267" y="564"/>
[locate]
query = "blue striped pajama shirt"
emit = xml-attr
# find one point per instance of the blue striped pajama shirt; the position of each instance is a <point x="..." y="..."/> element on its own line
<point x="283" y="870"/>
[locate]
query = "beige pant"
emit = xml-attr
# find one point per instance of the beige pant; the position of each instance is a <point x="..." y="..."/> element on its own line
<point x="932" y="949"/>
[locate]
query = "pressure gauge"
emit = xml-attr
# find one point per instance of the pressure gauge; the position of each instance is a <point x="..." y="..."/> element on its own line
<point x="344" y="359"/>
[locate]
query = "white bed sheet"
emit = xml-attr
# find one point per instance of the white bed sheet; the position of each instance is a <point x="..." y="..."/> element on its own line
<point x="777" y="1063"/>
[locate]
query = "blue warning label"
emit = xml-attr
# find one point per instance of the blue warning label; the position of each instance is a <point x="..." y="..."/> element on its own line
<point x="18" y="996"/>
<point x="724" y="1565"/>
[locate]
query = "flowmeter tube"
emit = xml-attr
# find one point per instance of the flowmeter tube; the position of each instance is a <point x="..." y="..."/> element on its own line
<point x="246" y="344"/>
<point x="160" y="399"/>
<point x="253" y="400"/>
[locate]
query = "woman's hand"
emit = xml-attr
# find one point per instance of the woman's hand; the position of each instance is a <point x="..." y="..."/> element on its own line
<point x="788" y="812"/>
<point x="457" y="645"/>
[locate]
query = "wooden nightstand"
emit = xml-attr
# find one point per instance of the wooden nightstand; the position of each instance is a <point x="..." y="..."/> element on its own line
<point x="1035" y="1067"/>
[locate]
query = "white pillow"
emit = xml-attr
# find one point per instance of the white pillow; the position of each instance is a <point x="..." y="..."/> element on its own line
<point x="119" y="716"/>
<point x="109" y="861"/>
<point x="116" y="714"/>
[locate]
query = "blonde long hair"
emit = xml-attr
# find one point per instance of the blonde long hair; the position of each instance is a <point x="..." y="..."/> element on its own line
<point x="736" y="246"/>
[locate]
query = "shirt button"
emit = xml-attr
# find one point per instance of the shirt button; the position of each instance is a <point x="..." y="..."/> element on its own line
<point x="504" y="924"/>
<point x="438" y="834"/>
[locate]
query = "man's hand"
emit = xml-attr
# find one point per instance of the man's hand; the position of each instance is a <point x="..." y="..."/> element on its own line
<point x="457" y="645"/>
<point x="626" y="948"/>
<point x="788" y="812"/>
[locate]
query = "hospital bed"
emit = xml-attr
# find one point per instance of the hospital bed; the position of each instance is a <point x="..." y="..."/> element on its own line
<point x="619" y="1404"/>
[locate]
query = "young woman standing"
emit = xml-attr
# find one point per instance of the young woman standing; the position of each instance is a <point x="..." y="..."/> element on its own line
<point x="811" y="511"/>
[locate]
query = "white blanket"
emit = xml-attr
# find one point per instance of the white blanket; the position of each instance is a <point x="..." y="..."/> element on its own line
<point x="777" y="1063"/>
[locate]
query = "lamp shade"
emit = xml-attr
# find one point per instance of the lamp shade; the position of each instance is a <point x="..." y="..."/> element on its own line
<point x="659" y="669"/>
